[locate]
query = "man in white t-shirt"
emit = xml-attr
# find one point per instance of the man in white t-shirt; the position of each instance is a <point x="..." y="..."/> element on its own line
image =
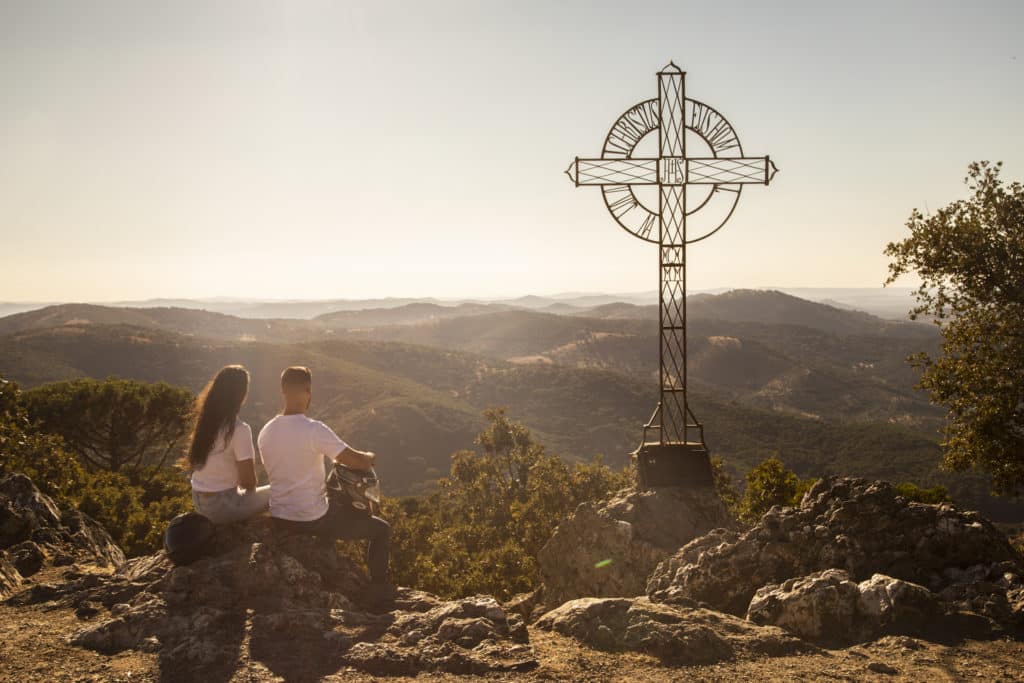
<point x="295" y="449"/>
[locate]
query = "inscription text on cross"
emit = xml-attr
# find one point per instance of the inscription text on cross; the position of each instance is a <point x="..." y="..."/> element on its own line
<point x="678" y="456"/>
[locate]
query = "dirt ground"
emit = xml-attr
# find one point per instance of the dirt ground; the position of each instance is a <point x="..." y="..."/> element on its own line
<point x="34" y="647"/>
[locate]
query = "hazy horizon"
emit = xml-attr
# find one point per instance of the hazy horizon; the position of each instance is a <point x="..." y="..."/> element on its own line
<point x="892" y="290"/>
<point x="311" y="150"/>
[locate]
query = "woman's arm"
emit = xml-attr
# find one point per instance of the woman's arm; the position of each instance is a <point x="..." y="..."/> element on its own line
<point x="246" y="474"/>
<point x="245" y="457"/>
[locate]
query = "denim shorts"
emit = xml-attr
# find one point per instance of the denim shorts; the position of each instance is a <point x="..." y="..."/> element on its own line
<point x="231" y="505"/>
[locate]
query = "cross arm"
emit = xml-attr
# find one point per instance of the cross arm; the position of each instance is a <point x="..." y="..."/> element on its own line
<point x="670" y="171"/>
<point x="730" y="171"/>
<point x="613" y="171"/>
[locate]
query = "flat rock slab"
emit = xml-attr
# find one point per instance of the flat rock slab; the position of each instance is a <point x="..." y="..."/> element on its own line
<point x="675" y="634"/>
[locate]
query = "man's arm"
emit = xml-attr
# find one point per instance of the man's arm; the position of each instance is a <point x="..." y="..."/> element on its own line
<point x="357" y="460"/>
<point x="329" y="442"/>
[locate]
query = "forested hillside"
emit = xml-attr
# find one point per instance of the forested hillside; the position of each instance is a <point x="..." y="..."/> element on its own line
<point x="822" y="398"/>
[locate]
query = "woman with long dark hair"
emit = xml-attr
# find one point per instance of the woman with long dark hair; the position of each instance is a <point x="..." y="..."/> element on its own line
<point x="221" y="453"/>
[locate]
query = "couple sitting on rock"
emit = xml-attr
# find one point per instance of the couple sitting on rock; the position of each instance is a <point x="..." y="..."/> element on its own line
<point x="294" y="449"/>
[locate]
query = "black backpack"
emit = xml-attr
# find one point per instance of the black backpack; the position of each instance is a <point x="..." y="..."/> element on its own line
<point x="188" y="538"/>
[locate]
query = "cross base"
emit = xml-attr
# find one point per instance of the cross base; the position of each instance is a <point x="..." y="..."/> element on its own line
<point x="681" y="465"/>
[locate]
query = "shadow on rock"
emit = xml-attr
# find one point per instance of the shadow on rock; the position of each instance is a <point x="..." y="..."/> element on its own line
<point x="297" y="601"/>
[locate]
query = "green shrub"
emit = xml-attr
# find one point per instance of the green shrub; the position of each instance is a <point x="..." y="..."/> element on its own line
<point x="770" y="484"/>
<point x="933" y="495"/>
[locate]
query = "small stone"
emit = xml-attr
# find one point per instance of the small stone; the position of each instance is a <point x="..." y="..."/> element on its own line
<point x="27" y="558"/>
<point x="87" y="609"/>
<point x="63" y="559"/>
<point x="882" y="668"/>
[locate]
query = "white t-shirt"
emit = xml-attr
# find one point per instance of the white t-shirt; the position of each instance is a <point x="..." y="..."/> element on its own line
<point x="220" y="472"/>
<point x="293" y="449"/>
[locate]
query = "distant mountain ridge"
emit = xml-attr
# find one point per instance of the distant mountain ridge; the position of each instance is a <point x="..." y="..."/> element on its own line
<point x="769" y="307"/>
<point x="891" y="303"/>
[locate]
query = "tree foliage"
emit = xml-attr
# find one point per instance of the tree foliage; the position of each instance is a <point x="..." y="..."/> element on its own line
<point x="770" y="484"/>
<point x="41" y="456"/>
<point x="970" y="258"/>
<point x="133" y="505"/>
<point x="481" y="532"/>
<point x="114" y="425"/>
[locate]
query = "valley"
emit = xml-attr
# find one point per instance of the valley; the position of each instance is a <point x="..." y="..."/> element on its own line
<point x="825" y="389"/>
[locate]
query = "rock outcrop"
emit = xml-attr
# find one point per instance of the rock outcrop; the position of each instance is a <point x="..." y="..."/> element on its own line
<point x="608" y="550"/>
<point x="297" y="602"/>
<point x="828" y="608"/>
<point x="861" y="527"/>
<point x="854" y="562"/>
<point x="674" y="634"/>
<point x="34" y="532"/>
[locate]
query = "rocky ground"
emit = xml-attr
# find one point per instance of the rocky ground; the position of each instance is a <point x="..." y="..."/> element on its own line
<point x="856" y="584"/>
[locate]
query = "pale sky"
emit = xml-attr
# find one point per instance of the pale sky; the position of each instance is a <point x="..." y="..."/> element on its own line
<point x="356" y="149"/>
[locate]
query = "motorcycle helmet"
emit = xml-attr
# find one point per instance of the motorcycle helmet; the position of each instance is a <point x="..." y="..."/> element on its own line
<point x="355" y="490"/>
<point x="188" y="537"/>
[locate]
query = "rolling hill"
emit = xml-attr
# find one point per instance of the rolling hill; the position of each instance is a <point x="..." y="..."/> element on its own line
<point x="826" y="388"/>
<point x="806" y="363"/>
<point x="417" y="404"/>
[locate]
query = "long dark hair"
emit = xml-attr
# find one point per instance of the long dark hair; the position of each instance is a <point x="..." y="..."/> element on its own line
<point x="217" y="409"/>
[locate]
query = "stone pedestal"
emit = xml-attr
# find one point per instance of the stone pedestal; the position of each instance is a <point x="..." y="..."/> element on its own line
<point x="608" y="549"/>
<point x="683" y="465"/>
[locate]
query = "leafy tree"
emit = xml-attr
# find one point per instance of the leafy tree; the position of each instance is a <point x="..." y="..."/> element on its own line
<point x="134" y="510"/>
<point x="970" y="258"/>
<point x="723" y="484"/>
<point x="114" y="425"/>
<point x="40" y="456"/>
<point x="770" y="484"/>
<point x="480" y="533"/>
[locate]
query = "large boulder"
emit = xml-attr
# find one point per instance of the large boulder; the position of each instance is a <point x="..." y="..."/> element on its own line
<point x="609" y="549"/>
<point x="299" y="605"/>
<point x="675" y="634"/>
<point x="860" y="526"/>
<point x="828" y="608"/>
<point x="24" y="510"/>
<point x="33" y="531"/>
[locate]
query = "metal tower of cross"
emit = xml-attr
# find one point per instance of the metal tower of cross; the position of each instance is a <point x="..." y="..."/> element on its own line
<point x="678" y="457"/>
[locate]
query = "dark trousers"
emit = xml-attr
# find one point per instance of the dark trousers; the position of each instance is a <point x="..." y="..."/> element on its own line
<point x="346" y="525"/>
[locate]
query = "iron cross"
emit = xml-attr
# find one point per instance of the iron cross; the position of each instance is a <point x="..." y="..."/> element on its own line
<point x="679" y="455"/>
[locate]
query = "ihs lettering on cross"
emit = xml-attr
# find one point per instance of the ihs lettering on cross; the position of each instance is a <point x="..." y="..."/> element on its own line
<point x="678" y="456"/>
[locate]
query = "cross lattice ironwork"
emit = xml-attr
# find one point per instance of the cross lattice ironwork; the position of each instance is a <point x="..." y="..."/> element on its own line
<point x="722" y="174"/>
